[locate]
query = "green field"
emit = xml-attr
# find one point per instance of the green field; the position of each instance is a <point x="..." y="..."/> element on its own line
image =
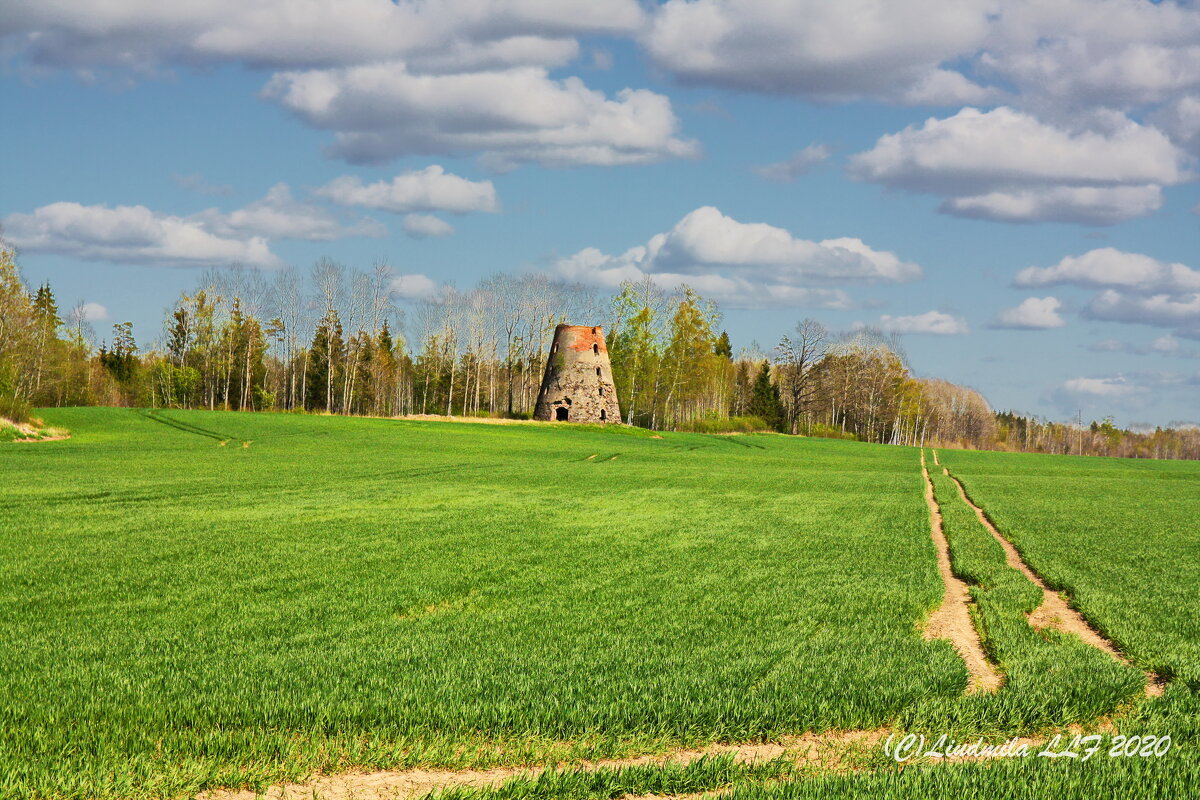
<point x="203" y="599"/>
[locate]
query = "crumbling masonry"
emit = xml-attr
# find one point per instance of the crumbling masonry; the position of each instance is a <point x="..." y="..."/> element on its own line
<point x="578" y="386"/>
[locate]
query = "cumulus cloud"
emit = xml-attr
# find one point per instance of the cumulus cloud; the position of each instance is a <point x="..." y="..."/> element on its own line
<point x="1034" y="313"/>
<point x="1067" y="74"/>
<point x="1107" y="267"/>
<point x="279" y="215"/>
<point x="390" y="78"/>
<point x="743" y="264"/>
<point x="413" y="286"/>
<point x="1180" y="119"/>
<point x="936" y="323"/>
<point x="1061" y="56"/>
<point x="822" y="50"/>
<point x="1136" y="288"/>
<point x="1055" y="58"/>
<point x="138" y="235"/>
<point x="429" y="189"/>
<point x="93" y="312"/>
<point x="1070" y="53"/>
<point x="513" y="116"/>
<point x="131" y="234"/>
<point x="1007" y="165"/>
<point x="1158" y="309"/>
<point x="1083" y="205"/>
<point x="449" y="34"/>
<point x="1111" y="387"/>
<point x="424" y="226"/>
<point x="1097" y="53"/>
<point x="799" y="164"/>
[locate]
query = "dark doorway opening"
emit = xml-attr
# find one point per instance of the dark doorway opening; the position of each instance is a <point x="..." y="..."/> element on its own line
<point x="603" y="415"/>
<point x="560" y="414"/>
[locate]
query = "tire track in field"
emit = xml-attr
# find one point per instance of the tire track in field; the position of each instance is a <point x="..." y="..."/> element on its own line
<point x="154" y="415"/>
<point x="1054" y="612"/>
<point x="952" y="620"/>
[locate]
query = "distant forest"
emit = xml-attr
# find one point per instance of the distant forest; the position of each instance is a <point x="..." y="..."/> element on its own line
<point x="330" y="341"/>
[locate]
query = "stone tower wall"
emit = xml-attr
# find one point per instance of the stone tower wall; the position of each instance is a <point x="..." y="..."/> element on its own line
<point x="578" y="378"/>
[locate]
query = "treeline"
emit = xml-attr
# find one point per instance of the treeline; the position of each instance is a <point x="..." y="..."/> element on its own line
<point x="331" y="341"/>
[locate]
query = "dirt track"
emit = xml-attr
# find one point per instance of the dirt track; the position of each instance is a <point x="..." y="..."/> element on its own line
<point x="1054" y="612"/>
<point x="825" y="749"/>
<point x="952" y="620"/>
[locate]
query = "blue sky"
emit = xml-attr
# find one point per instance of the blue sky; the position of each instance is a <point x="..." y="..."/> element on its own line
<point x="1009" y="187"/>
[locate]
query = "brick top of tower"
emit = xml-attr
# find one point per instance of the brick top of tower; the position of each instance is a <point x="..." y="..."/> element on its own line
<point x="581" y="337"/>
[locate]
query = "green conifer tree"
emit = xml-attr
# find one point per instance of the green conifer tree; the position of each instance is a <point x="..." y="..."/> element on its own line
<point x="723" y="347"/>
<point x="764" y="398"/>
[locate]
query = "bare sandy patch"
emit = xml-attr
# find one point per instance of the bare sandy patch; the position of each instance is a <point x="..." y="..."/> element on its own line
<point x="952" y="620"/>
<point x="35" y="432"/>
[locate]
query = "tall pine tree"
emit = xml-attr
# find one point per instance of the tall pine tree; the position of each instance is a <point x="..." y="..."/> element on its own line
<point x="764" y="398"/>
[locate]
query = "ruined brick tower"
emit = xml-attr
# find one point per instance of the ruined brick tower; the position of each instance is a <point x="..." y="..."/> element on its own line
<point x="578" y="386"/>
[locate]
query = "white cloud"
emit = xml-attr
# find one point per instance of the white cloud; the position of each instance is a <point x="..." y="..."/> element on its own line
<point x="943" y="87"/>
<point x="1181" y="120"/>
<point x="512" y="116"/>
<point x="1007" y="165"/>
<point x="1057" y="57"/>
<point x="1103" y="53"/>
<point x="799" y="164"/>
<point x="1157" y="309"/>
<point x="279" y="215"/>
<point x="413" y="286"/>
<point x="1068" y="53"/>
<point x="1136" y="288"/>
<point x="743" y="264"/>
<point x="1113" y="387"/>
<point x="1034" y="313"/>
<point x="138" y="235"/>
<point x="141" y="34"/>
<point x="1084" y="205"/>
<point x="1107" y="267"/>
<point x="131" y="234"/>
<point x="391" y="78"/>
<point x="422" y="226"/>
<point x="93" y="312"/>
<point x="936" y="323"/>
<point x="429" y="189"/>
<point x="822" y="50"/>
